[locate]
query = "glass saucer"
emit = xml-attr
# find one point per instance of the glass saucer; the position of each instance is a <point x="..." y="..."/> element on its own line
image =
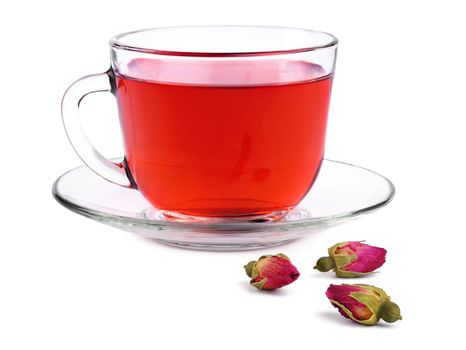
<point x="341" y="192"/>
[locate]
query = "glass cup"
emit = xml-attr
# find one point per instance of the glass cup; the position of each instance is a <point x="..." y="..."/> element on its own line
<point x="219" y="123"/>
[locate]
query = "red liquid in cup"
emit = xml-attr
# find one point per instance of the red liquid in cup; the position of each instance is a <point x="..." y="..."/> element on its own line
<point x="223" y="138"/>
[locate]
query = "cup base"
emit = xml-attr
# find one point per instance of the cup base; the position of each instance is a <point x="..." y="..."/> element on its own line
<point x="262" y="217"/>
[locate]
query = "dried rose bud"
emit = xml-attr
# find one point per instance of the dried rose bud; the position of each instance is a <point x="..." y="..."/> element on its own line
<point x="271" y="272"/>
<point x="352" y="259"/>
<point x="363" y="303"/>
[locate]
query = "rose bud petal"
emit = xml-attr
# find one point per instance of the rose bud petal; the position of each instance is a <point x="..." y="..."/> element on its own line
<point x="271" y="272"/>
<point x="352" y="259"/>
<point x="363" y="303"/>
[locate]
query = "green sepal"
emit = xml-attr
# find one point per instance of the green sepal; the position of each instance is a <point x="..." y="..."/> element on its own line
<point x="259" y="284"/>
<point x="372" y="303"/>
<point x="349" y="274"/>
<point x="251" y="269"/>
<point x="331" y="250"/>
<point x="254" y="271"/>
<point x="281" y="255"/>
<point x="342" y="260"/>
<point x="264" y="256"/>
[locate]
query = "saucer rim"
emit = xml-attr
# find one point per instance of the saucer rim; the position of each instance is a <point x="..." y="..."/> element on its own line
<point x="104" y="217"/>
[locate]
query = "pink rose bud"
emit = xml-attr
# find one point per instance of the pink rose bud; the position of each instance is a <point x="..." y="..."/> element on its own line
<point x="352" y="259"/>
<point x="363" y="303"/>
<point x="271" y="272"/>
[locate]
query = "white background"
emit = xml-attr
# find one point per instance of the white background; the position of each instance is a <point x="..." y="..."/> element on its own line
<point x="398" y="107"/>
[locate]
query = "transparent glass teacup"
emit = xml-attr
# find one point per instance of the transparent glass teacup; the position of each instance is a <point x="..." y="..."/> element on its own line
<point x="218" y="122"/>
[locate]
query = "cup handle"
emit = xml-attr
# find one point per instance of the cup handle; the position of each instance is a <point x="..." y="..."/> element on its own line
<point x="76" y="92"/>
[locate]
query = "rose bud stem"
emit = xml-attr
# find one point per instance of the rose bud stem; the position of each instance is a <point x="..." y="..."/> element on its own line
<point x="325" y="264"/>
<point x="390" y="312"/>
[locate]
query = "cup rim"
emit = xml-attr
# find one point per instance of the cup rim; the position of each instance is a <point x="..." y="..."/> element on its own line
<point x="117" y="43"/>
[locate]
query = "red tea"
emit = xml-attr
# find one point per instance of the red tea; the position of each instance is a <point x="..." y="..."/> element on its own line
<point x="223" y="140"/>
